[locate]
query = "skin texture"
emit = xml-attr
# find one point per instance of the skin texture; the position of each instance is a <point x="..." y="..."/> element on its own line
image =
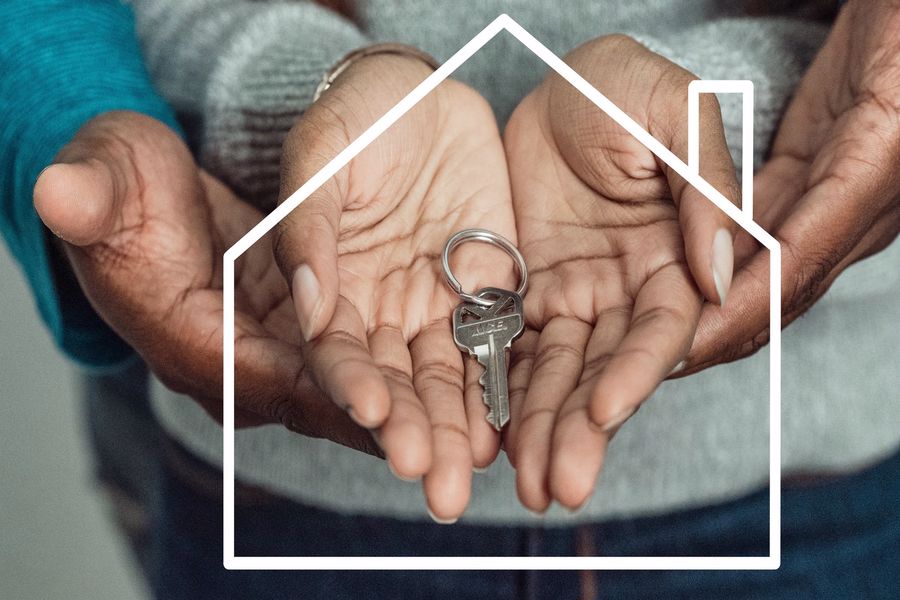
<point x="377" y="313"/>
<point x="619" y="249"/>
<point x="614" y="242"/>
<point x="144" y="230"/>
<point x="830" y="192"/>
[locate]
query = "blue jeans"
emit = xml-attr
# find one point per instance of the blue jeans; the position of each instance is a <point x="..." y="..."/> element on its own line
<point x="840" y="539"/>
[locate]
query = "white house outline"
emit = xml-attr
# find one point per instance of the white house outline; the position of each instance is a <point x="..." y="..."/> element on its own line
<point x="744" y="217"/>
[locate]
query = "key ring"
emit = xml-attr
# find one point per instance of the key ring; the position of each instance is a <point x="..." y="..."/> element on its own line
<point x="482" y="235"/>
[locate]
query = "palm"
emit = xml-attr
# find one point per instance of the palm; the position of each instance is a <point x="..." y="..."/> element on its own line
<point x="156" y="277"/>
<point x="826" y="191"/>
<point x="612" y="300"/>
<point x="409" y="192"/>
<point x="440" y="169"/>
<point x="844" y="112"/>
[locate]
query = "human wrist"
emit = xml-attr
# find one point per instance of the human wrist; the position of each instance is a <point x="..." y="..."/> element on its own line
<point x="366" y="88"/>
<point x="388" y="57"/>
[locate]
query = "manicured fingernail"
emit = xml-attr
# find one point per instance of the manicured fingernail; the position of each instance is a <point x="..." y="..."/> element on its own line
<point x="678" y="368"/>
<point x="480" y="469"/>
<point x="439" y="520"/>
<point x="620" y="418"/>
<point x="540" y="514"/>
<point x="722" y="263"/>
<point x="307" y="299"/>
<point x="398" y="475"/>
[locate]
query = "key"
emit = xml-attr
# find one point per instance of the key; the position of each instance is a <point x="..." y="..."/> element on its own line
<point x="487" y="333"/>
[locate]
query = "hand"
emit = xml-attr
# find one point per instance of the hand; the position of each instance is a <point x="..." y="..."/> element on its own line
<point x="145" y="230"/>
<point x="830" y="192"/>
<point x="362" y="254"/>
<point x="617" y="245"/>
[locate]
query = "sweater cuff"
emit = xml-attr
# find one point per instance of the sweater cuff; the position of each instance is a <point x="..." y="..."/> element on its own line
<point x="261" y="85"/>
<point x="82" y="61"/>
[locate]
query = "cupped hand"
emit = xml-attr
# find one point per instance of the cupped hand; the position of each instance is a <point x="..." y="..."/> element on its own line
<point x="830" y="191"/>
<point x="144" y="230"/>
<point x="620" y="251"/>
<point x="362" y="254"/>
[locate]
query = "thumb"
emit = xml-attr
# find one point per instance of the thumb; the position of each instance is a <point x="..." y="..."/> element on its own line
<point x="90" y="192"/>
<point x="707" y="231"/>
<point x="78" y="201"/>
<point x="305" y="248"/>
<point x="306" y="241"/>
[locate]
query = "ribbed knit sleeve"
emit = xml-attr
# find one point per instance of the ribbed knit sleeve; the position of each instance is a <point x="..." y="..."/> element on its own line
<point x="743" y="48"/>
<point x="182" y="40"/>
<point x="243" y="72"/>
<point x="61" y="64"/>
<point x="262" y="83"/>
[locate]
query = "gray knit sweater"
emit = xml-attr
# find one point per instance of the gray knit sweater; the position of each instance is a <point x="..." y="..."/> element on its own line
<point x="246" y="70"/>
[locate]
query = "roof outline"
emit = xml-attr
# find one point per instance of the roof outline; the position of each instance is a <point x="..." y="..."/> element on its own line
<point x="689" y="171"/>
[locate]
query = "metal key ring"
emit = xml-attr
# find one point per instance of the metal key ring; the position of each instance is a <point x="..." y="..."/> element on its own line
<point x="482" y="235"/>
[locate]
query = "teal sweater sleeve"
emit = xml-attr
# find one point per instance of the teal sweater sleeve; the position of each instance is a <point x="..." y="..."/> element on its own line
<point x="62" y="62"/>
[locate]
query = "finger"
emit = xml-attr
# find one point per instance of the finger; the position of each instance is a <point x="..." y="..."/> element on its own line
<point x="341" y="365"/>
<point x="571" y="478"/>
<point x="438" y="380"/>
<point x="821" y="231"/>
<point x="609" y="329"/>
<point x="741" y="330"/>
<point x="305" y="242"/>
<point x="406" y="433"/>
<point x="78" y="201"/>
<point x="270" y="381"/>
<point x="305" y="248"/>
<point x="721" y="332"/>
<point x="708" y="232"/>
<point x="882" y="234"/>
<point x="521" y="359"/>
<point x="577" y="450"/>
<point x="665" y="316"/>
<point x="779" y="181"/>
<point x="85" y="196"/>
<point x="557" y="366"/>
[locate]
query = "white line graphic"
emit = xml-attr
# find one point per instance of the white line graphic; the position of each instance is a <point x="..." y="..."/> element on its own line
<point x="690" y="173"/>
<point x="714" y="86"/>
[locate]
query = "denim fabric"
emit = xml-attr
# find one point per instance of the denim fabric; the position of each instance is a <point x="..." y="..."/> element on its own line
<point x="840" y="538"/>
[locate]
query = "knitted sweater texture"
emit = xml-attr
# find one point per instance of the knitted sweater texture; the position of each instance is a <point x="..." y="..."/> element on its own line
<point x="245" y="71"/>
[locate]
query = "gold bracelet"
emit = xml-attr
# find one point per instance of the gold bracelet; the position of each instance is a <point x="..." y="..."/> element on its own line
<point x="386" y="48"/>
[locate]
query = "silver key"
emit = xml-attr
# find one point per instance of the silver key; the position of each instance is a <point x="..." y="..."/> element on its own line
<point x="487" y="333"/>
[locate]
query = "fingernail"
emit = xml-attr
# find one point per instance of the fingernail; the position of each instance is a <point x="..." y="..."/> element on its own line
<point x="620" y="418"/>
<point x="722" y="263"/>
<point x="480" y="469"/>
<point x="399" y="476"/>
<point x="678" y="368"/>
<point x="439" y="520"/>
<point x="307" y="298"/>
